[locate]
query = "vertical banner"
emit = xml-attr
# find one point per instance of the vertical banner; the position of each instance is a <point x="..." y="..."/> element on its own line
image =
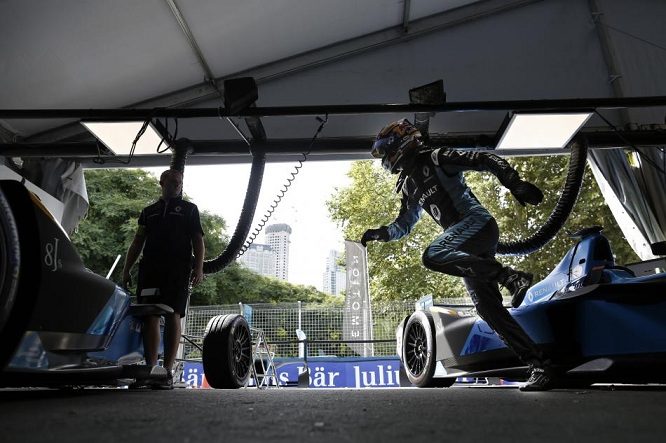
<point x="357" y="316"/>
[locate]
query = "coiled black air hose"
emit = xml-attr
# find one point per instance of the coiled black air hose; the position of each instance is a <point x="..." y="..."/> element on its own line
<point x="181" y="149"/>
<point x="245" y="220"/>
<point x="562" y="209"/>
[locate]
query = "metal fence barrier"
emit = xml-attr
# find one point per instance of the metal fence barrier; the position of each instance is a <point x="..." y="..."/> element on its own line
<point x="321" y="323"/>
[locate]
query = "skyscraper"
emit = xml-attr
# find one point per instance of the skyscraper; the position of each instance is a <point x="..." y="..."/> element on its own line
<point x="277" y="237"/>
<point x="259" y="258"/>
<point x="335" y="277"/>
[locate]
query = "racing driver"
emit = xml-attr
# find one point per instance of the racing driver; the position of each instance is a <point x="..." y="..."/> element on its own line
<point x="431" y="179"/>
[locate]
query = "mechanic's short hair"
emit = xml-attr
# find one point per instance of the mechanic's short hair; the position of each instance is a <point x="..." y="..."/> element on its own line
<point x="170" y="172"/>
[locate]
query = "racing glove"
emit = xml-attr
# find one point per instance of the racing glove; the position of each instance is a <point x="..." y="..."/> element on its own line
<point x="379" y="234"/>
<point x="526" y="192"/>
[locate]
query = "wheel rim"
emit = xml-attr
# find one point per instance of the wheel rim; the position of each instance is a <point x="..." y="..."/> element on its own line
<point x="241" y="351"/>
<point x="416" y="349"/>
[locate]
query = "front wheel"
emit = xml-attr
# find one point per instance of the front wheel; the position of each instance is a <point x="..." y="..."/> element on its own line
<point x="227" y="352"/>
<point x="418" y="349"/>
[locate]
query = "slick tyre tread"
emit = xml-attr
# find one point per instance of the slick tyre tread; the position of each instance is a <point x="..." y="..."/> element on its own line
<point x="419" y="349"/>
<point x="227" y="352"/>
<point x="10" y="264"/>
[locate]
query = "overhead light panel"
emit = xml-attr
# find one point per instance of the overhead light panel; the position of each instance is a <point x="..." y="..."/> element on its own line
<point x="542" y="131"/>
<point x="119" y="136"/>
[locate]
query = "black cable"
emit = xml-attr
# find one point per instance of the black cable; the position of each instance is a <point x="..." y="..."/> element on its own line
<point x="629" y="144"/>
<point x="639" y="156"/>
<point x="633" y="36"/>
<point x="165" y="136"/>
<point x="136" y="140"/>
<point x="280" y="195"/>
<point x="638" y="153"/>
<point x="663" y="160"/>
<point x="170" y="140"/>
<point x="99" y="160"/>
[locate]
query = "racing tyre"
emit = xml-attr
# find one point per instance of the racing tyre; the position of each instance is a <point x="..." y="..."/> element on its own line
<point x="10" y="261"/>
<point x="227" y="352"/>
<point x="418" y="349"/>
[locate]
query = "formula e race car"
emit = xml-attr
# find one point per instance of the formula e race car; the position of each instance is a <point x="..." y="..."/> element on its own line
<point x="63" y="325"/>
<point x="598" y="323"/>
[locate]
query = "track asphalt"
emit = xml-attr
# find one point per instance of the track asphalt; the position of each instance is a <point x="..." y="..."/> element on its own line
<point x="457" y="414"/>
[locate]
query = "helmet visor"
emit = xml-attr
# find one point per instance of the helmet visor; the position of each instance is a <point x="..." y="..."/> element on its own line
<point x="380" y="147"/>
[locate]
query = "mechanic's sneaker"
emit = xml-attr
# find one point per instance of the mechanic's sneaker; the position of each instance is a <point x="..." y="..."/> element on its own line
<point x="541" y="379"/>
<point x="164" y="384"/>
<point x="518" y="282"/>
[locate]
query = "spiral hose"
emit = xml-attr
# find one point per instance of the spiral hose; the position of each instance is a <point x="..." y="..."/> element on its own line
<point x="245" y="220"/>
<point x="561" y="211"/>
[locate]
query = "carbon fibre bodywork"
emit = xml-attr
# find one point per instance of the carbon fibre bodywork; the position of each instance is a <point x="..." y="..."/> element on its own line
<point x="597" y="322"/>
<point x="67" y="325"/>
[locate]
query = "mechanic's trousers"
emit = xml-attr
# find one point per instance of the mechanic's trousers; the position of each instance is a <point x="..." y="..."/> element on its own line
<point x="467" y="249"/>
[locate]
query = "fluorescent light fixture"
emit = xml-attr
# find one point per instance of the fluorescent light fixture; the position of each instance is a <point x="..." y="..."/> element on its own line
<point x="119" y="136"/>
<point x="551" y="131"/>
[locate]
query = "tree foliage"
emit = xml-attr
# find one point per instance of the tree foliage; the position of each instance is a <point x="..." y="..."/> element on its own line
<point x="396" y="270"/>
<point x="515" y="221"/>
<point x="117" y="197"/>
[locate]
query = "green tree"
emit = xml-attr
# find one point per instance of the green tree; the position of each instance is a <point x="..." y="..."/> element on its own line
<point x="117" y="197"/>
<point x="396" y="271"/>
<point x="238" y="284"/>
<point x="516" y="222"/>
<point x="395" y="268"/>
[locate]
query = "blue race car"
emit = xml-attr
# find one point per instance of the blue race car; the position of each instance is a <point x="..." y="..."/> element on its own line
<point x="63" y="325"/>
<point x="597" y="321"/>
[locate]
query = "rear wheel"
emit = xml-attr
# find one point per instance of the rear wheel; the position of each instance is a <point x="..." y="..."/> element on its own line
<point x="418" y="352"/>
<point x="10" y="261"/>
<point x="227" y="352"/>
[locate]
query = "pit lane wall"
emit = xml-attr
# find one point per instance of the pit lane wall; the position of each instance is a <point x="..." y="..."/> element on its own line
<point x="325" y="372"/>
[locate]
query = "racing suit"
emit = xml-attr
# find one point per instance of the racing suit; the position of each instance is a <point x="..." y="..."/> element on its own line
<point x="434" y="182"/>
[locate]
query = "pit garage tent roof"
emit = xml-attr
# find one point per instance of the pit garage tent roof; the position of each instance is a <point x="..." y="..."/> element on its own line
<point x="69" y="54"/>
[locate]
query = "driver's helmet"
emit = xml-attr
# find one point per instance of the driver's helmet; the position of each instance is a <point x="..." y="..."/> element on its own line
<point x="395" y="143"/>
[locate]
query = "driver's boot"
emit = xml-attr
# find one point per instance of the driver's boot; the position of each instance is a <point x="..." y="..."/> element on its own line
<point x="541" y="379"/>
<point x="517" y="282"/>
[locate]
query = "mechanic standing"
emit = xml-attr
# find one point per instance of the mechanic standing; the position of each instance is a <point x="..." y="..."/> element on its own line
<point x="431" y="179"/>
<point x="169" y="232"/>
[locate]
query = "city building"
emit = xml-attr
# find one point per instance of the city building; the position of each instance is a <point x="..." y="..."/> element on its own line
<point x="335" y="277"/>
<point x="277" y="237"/>
<point x="260" y="258"/>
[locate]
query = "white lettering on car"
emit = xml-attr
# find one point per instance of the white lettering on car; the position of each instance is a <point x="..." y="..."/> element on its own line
<point x="51" y="255"/>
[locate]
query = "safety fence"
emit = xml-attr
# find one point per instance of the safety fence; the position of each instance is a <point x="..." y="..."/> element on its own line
<point x="321" y="323"/>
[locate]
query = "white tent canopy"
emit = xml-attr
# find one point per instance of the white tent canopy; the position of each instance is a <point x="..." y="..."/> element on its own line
<point x="70" y="54"/>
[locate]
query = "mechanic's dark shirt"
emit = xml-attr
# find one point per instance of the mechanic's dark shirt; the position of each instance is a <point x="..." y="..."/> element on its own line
<point x="169" y="231"/>
<point x="435" y="182"/>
